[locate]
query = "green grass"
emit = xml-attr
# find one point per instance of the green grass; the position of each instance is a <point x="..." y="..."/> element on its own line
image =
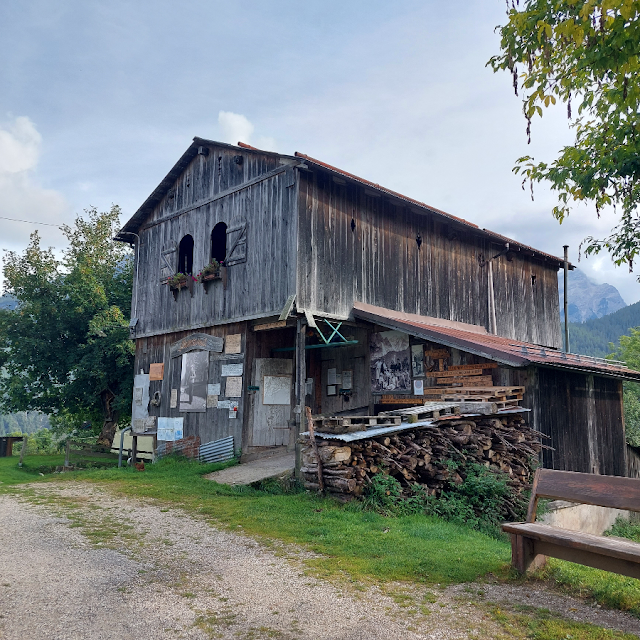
<point x="359" y="545"/>
<point x="541" y="624"/>
<point x="353" y="544"/>
<point x="11" y="474"/>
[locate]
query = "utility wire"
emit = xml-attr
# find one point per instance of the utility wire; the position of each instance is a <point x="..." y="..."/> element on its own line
<point x="48" y="224"/>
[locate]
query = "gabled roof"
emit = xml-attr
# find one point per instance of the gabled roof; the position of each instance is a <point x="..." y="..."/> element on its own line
<point x="161" y="190"/>
<point x="476" y="340"/>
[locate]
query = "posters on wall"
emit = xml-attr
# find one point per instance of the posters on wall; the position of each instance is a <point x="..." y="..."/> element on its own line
<point x="234" y="369"/>
<point x="156" y="371"/>
<point x="193" y="381"/>
<point x="417" y="360"/>
<point x="233" y="388"/>
<point x="390" y="362"/>
<point x="170" y="429"/>
<point x="233" y="343"/>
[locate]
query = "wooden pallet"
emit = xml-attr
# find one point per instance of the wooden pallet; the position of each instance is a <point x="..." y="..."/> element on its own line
<point x="349" y="424"/>
<point x="430" y="410"/>
<point x="401" y="399"/>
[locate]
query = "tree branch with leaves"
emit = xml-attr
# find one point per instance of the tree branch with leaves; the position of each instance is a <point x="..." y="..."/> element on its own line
<point x="584" y="53"/>
<point x="65" y="349"/>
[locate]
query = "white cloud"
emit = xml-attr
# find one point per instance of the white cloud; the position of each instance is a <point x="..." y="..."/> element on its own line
<point x="19" y="146"/>
<point x="235" y="127"/>
<point x="21" y="196"/>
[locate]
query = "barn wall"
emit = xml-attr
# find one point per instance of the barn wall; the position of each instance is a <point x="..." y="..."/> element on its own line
<point x="357" y="247"/>
<point x="581" y="414"/>
<point x="214" y="423"/>
<point x="258" y="287"/>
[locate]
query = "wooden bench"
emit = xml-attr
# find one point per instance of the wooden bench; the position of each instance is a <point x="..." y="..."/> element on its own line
<point x="532" y="542"/>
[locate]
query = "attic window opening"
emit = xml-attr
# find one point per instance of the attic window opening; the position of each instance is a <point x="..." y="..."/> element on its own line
<point x="185" y="255"/>
<point x="219" y="242"/>
<point x="533" y="281"/>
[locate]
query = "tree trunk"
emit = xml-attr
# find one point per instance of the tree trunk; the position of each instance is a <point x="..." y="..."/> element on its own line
<point x="110" y="419"/>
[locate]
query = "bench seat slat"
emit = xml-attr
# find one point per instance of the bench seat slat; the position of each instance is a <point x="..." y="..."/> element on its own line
<point x="606" y="546"/>
<point x="587" y="488"/>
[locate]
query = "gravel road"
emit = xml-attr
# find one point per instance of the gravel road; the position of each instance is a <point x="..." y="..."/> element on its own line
<point x="80" y="564"/>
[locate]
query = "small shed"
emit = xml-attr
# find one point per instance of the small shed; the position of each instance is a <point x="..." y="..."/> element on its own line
<point x="6" y="445"/>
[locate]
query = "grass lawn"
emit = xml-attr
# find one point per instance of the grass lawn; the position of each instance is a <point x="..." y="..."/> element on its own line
<point x="354" y="544"/>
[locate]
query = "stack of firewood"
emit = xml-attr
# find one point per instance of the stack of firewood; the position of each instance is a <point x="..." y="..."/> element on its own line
<point x="421" y="455"/>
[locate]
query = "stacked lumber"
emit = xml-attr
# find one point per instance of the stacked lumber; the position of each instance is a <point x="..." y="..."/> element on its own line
<point x="420" y="455"/>
<point x="465" y="375"/>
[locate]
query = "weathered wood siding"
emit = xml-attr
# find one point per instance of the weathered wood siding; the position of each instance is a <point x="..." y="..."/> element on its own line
<point x="258" y="287"/>
<point x="582" y="414"/>
<point x="214" y="423"/>
<point x="377" y="260"/>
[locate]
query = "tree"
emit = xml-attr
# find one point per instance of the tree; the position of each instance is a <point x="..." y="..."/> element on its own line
<point x="584" y="53"/>
<point x="66" y="348"/>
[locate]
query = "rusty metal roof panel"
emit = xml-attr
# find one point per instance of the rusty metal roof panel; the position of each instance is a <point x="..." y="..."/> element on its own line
<point x="508" y="351"/>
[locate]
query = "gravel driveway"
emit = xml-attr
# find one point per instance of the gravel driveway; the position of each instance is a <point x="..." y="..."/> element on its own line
<point x="80" y="564"/>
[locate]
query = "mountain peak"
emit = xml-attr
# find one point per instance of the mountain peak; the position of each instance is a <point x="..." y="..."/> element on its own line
<point x="587" y="298"/>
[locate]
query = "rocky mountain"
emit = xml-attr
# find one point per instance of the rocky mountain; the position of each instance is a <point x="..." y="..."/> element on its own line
<point x="588" y="299"/>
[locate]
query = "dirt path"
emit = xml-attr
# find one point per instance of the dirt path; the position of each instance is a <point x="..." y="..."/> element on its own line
<point x="80" y="564"/>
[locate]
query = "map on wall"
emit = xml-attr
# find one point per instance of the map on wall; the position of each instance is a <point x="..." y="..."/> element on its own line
<point x="390" y="362"/>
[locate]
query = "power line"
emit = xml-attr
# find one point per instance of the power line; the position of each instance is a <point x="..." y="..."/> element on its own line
<point x="48" y="224"/>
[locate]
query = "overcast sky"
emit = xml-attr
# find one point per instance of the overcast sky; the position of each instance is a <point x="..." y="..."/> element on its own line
<point x="99" y="99"/>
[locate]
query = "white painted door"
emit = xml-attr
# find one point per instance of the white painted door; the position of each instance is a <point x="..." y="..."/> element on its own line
<point x="272" y="401"/>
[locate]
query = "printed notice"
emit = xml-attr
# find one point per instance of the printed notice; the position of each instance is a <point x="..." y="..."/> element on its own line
<point x="174" y="399"/>
<point x="233" y="343"/>
<point x="231" y="369"/>
<point x="213" y="389"/>
<point x="233" y="409"/>
<point x="331" y="390"/>
<point x="224" y="404"/>
<point x="331" y="376"/>
<point x="212" y="401"/>
<point x="347" y="379"/>
<point x="233" y="388"/>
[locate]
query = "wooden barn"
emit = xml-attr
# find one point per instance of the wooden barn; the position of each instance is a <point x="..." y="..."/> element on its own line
<point x="265" y="283"/>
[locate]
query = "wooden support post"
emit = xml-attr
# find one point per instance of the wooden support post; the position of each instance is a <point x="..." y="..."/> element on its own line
<point x="301" y="373"/>
<point x="67" y="454"/>
<point x="314" y="444"/>
<point x="524" y="556"/>
<point x="134" y="451"/>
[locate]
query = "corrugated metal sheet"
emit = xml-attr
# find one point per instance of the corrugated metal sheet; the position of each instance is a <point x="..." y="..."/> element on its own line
<point x="217" y="451"/>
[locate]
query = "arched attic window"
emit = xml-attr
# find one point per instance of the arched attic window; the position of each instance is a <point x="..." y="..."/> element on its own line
<point x="185" y="255"/>
<point x="219" y="242"/>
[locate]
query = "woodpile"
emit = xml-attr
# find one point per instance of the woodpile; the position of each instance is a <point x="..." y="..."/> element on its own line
<point x="420" y="455"/>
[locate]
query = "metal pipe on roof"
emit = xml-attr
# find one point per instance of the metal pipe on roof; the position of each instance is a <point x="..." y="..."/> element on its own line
<point x="566" y="298"/>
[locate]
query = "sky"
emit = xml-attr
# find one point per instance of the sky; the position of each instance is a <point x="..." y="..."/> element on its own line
<point x="98" y="100"/>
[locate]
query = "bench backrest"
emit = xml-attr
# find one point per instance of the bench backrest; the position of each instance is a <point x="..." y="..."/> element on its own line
<point x="587" y="488"/>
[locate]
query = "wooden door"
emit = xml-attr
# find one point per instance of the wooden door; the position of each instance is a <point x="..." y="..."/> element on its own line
<point x="272" y="401"/>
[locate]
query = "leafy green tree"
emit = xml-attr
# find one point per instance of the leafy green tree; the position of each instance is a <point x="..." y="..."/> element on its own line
<point x="584" y="53"/>
<point x="66" y="348"/>
<point x="629" y="352"/>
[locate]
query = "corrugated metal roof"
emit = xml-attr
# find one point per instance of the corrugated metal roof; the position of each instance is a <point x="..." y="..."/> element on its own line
<point x="507" y="351"/>
<point x="168" y="181"/>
